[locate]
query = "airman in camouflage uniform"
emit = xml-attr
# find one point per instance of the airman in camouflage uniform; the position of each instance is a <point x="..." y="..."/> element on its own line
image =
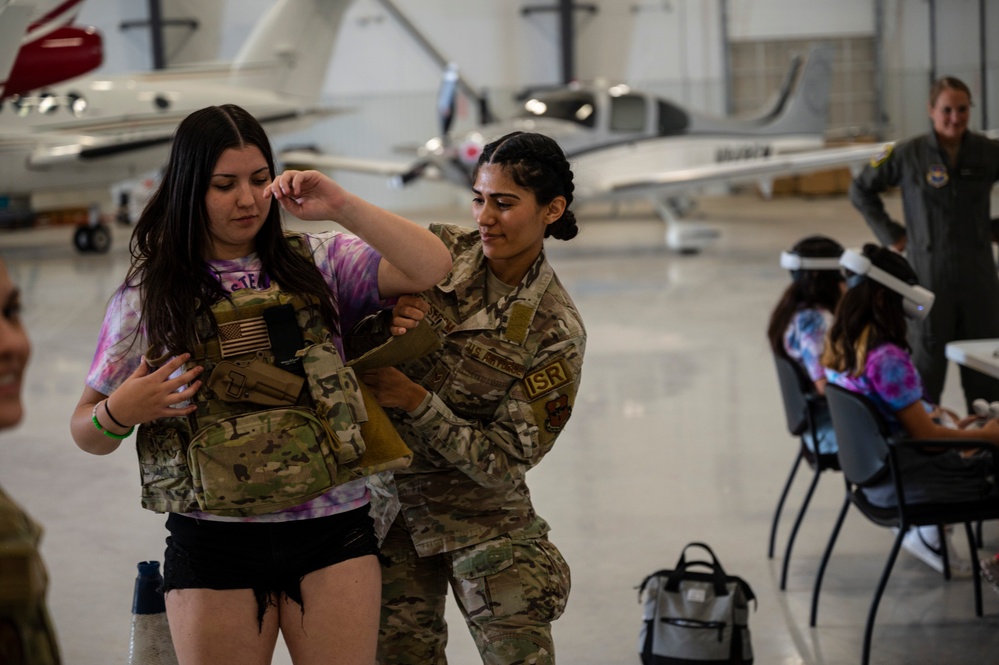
<point x="500" y="391"/>
<point x="26" y="633"/>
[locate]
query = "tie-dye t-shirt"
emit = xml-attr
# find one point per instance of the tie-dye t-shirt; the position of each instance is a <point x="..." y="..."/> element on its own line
<point x="350" y="267"/>
<point x="889" y="379"/>
<point x="804" y="339"/>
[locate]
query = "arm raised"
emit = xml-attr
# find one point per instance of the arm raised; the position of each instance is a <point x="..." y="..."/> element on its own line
<point x="413" y="258"/>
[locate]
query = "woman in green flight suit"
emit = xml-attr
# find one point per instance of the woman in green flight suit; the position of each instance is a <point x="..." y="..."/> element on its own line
<point x="946" y="178"/>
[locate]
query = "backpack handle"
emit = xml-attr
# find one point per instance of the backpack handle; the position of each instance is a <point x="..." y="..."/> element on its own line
<point x="718" y="575"/>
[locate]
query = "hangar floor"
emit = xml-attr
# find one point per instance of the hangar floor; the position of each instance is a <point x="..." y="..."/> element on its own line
<point x="678" y="436"/>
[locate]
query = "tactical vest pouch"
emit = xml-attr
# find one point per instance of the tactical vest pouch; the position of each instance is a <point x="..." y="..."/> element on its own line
<point x="261" y="462"/>
<point x="336" y="393"/>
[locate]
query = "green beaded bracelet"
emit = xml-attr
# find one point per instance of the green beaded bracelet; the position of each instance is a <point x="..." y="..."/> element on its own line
<point x="105" y="432"/>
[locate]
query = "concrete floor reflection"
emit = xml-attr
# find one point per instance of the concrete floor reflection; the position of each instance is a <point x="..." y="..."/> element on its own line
<point x="677" y="435"/>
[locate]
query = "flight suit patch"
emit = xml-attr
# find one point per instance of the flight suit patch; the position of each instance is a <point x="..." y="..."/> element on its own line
<point x="937" y="176"/>
<point x="879" y="159"/>
<point x="550" y="377"/>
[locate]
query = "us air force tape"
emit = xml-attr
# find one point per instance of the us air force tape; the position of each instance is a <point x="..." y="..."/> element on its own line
<point x="551" y="392"/>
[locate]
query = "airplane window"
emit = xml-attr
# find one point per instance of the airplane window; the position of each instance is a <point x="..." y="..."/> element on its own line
<point x="77" y="104"/>
<point x="672" y="119"/>
<point x="627" y="113"/>
<point x="21" y="105"/>
<point x="573" y="105"/>
<point x="47" y="103"/>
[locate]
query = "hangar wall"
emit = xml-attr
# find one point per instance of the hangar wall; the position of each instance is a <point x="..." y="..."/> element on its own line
<point x="671" y="47"/>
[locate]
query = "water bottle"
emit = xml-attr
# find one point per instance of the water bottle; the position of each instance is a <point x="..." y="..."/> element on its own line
<point x="150" y="643"/>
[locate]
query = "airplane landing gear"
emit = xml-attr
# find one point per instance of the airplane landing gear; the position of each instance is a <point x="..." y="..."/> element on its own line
<point x="682" y="236"/>
<point x="94" y="237"/>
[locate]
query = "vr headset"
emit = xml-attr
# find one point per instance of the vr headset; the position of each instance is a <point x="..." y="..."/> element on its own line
<point x="916" y="301"/>
<point x="792" y="261"/>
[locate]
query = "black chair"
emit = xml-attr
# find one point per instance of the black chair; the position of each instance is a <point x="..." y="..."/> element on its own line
<point x="802" y="409"/>
<point x="867" y="452"/>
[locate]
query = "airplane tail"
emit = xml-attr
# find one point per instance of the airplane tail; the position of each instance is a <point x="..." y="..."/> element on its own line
<point x="290" y="48"/>
<point x="806" y="110"/>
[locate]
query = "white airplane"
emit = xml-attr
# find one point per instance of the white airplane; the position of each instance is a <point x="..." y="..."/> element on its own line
<point x="39" y="46"/>
<point x="96" y="131"/>
<point x="624" y="143"/>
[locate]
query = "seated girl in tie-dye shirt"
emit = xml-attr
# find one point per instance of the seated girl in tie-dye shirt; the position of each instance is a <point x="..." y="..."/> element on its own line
<point x="867" y="352"/>
<point x="799" y="322"/>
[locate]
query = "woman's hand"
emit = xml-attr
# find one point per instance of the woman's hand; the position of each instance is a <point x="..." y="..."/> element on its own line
<point x="145" y="395"/>
<point x="150" y="394"/>
<point x="308" y="195"/>
<point x="393" y="389"/>
<point x="408" y="312"/>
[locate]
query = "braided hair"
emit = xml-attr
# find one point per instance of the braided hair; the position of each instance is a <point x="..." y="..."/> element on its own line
<point x="536" y="163"/>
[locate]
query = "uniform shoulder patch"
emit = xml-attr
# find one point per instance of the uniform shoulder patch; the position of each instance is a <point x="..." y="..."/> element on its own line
<point x="546" y="379"/>
<point x="880" y="158"/>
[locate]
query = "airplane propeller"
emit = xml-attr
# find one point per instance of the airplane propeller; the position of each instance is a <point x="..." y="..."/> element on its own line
<point x="447" y="98"/>
<point x="441" y="152"/>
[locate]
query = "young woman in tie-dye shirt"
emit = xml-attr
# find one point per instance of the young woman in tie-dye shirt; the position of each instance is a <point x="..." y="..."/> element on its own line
<point x="867" y="352"/>
<point x="213" y="227"/>
<point x="799" y="322"/>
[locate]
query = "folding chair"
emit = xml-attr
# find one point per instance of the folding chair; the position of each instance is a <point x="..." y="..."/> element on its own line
<point x="867" y="452"/>
<point x="802" y="407"/>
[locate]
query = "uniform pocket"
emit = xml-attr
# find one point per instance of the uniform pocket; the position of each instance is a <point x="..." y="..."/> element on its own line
<point x="488" y="579"/>
<point x="507" y="576"/>
<point x="260" y="462"/>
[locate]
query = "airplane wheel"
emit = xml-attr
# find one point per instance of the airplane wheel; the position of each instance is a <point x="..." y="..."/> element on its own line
<point x="81" y="239"/>
<point x="100" y="239"/>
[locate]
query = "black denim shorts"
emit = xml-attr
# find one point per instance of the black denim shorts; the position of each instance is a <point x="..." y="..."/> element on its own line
<point x="271" y="558"/>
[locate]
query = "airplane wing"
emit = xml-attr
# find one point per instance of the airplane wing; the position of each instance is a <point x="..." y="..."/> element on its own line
<point x="117" y="138"/>
<point x="748" y="170"/>
<point x="325" y="162"/>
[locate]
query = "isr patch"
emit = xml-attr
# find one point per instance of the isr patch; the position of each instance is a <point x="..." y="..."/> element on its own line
<point x="548" y="378"/>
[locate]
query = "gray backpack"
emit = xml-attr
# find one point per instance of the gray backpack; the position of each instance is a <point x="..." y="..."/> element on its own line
<point x="695" y="617"/>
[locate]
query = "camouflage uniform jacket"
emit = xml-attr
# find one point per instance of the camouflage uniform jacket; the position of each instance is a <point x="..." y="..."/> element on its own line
<point x="26" y="634"/>
<point x="503" y="386"/>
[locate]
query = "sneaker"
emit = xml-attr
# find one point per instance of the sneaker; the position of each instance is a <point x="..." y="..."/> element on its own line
<point x="915" y="544"/>
<point x="990" y="571"/>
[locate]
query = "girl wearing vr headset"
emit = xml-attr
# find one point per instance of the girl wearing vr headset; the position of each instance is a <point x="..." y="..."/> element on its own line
<point x="867" y="352"/>
<point x="799" y="322"/>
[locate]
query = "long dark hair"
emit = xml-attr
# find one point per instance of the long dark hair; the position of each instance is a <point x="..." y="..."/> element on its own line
<point x="808" y="289"/>
<point x="171" y="238"/>
<point x="536" y="163"/>
<point x="869" y="315"/>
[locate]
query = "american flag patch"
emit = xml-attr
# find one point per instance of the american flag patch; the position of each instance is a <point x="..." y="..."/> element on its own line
<point x="243" y="336"/>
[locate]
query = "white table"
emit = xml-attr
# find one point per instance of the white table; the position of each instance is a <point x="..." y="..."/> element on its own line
<point x="979" y="354"/>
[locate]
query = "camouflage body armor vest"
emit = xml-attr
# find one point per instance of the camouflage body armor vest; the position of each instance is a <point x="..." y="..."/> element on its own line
<point x="279" y="419"/>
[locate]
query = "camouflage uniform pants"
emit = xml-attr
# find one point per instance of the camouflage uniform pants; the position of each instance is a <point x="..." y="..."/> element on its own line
<point x="509" y="590"/>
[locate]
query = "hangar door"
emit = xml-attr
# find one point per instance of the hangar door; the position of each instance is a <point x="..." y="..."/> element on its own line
<point x="759" y="68"/>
